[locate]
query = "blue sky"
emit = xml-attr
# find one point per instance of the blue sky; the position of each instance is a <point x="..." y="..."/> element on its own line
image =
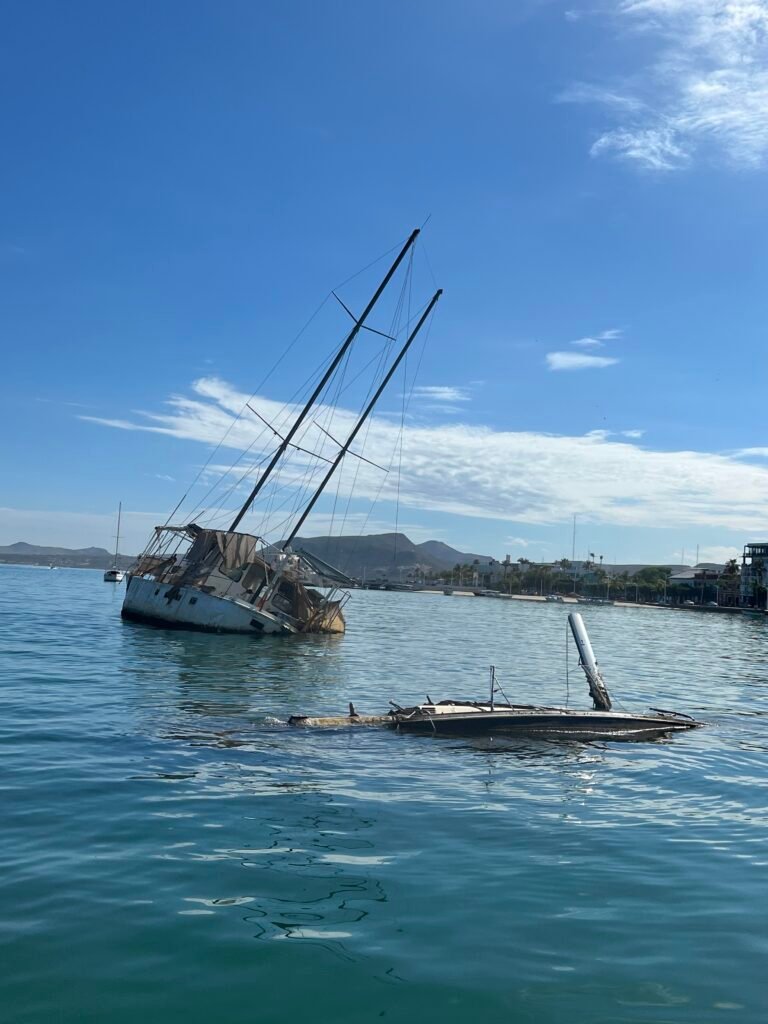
<point x="182" y="183"/>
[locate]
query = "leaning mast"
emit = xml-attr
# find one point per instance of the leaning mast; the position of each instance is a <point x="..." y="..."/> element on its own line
<point x="325" y="378"/>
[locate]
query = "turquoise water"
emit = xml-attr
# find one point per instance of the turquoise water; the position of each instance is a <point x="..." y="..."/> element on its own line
<point x="170" y="851"/>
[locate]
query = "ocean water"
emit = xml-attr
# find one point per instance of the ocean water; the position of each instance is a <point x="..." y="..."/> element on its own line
<point x="171" y="851"/>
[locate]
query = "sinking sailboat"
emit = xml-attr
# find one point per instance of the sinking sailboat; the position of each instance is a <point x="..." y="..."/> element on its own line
<point x="192" y="576"/>
<point x="473" y="718"/>
<point x="115" y="574"/>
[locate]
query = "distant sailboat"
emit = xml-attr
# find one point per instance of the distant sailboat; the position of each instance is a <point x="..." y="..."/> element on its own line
<point x="115" y="575"/>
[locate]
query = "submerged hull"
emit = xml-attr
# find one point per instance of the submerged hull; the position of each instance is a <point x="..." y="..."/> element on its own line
<point x="163" y="604"/>
<point x="456" y="719"/>
<point x="552" y="723"/>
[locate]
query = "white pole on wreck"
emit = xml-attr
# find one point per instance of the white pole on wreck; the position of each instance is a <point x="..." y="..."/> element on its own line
<point x="597" y="688"/>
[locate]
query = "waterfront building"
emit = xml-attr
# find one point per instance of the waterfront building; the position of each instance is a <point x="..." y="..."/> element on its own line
<point x="754" y="574"/>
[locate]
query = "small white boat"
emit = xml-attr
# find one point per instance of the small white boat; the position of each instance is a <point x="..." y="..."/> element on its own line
<point x="115" y="575"/>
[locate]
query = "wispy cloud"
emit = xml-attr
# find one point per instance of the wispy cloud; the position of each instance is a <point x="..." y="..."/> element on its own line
<point x="577" y="361"/>
<point x="598" y="340"/>
<point x="749" y="453"/>
<point x="442" y="393"/>
<point x="523" y="542"/>
<point x="512" y="476"/>
<point x="588" y="342"/>
<point x="602" y="433"/>
<point x="705" y="87"/>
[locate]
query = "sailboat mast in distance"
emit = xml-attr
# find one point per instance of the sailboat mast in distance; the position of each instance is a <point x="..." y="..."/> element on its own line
<point x="117" y="538"/>
<point x="114" y="574"/>
<point x="325" y="378"/>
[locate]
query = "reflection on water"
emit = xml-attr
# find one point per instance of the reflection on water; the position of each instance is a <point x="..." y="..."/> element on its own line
<point x="150" y="780"/>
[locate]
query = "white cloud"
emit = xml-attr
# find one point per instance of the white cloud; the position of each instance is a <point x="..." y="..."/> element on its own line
<point x="442" y="393"/>
<point x="588" y="343"/>
<point x="653" y="148"/>
<point x="602" y="433"/>
<point x="584" y="92"/>
<point x="705" y="86"/>
<point x="758" y="453"/>
<point x="598" y="340"/>
<point x="518" y="476"/>
<point x="577" y="361"/>
<point x="523" y="542"/>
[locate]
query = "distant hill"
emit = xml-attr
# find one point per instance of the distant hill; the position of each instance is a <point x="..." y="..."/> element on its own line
<point x="384" y="554"/>
<point x="22" y="553"/>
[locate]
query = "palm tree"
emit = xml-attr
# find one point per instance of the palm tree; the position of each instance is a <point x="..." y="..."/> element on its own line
<point x="622" y="580"/>
<point x="728" y="583"/>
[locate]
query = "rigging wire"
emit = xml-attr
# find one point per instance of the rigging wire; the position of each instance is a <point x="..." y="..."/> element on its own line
<point x="402" y="432"/>
<point x="262" y="383"/>
<point x="284" y="411"/>
<point x="240" y="413"/>
<point x="392" y="457"/>
<point x="395" y="330"/>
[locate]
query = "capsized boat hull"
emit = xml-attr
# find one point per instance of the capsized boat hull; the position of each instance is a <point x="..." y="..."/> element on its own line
<point x="552" y="723"/>
<point x="454" y="718"/>
<point x="163" y="604"/>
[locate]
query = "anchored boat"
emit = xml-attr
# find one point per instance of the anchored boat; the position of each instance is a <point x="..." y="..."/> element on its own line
<point x="115" y="574"/>
<point x="473" y="718"/>
<point x="194" y="577"/>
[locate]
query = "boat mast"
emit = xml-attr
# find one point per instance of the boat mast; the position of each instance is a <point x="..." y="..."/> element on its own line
<point x="368" y="409"/>
<point x="117" y="538"/>
<point x="326" y="377"/>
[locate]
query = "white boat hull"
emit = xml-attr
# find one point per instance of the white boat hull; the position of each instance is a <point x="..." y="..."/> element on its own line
<point x="164" y="604"/>
<point x="114" y="576"/>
